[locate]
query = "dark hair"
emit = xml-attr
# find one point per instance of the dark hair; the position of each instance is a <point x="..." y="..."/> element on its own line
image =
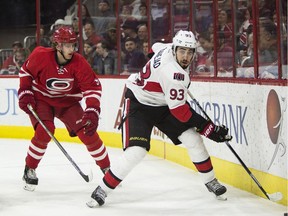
<point x="130" y="39"/>
<point x="143" y="5"/>
<point x="104" y="1"/>
<point x="89" y="21"/>
<point x="268" y="26"/>
<point x="87" y="11"/>
<point x="205" y="36"/>
<point x="104" y="44"/>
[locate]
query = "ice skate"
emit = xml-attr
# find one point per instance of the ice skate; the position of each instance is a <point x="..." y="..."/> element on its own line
<point x="98" y="198"/>
<point x="215" y="187"/>
<point x="30" y="179"/>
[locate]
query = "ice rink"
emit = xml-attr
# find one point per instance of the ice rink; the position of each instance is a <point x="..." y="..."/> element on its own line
<point x="154" y="187"/>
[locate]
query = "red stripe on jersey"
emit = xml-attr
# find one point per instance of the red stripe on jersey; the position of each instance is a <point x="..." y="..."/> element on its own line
<point x="153" y="87"/>
<point x="182" y="113"/>
<point x="126" y="124"/>
<point x="204" y="166"/>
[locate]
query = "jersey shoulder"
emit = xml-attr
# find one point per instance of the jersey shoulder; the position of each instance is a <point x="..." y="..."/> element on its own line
<point x="40" y="53"/>
<point x="40" y="57"/>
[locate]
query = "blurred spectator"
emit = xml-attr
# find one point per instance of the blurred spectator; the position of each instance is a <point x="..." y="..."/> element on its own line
<point x="225" y="25"/>
<point x="104" y="63"/>
<point x="91" y="34"/>
<point x="86" y="17"/>
<point x="268" y="52"/>
<point x="224" y="56"/>
<point x="143" y="10"/>
<point x="142" y="34"/>
<point x="85" y="14"/>
<point x="247" y="56"/>
<point x="142" y="16"/>
<point x="110" y="37"/>
<point x="75" y="26"/>
<point x="126" y="14"/>
<point x="243" y="28"/>
<point x="145" y="49"/>
<point x="160" y="19"/>
<point x="104" y="9"/>
<point x="135" y="7"/>
<point x="284" y="21"/>
<point x="13" y="67"/>
<point x="129" y="30"/>
<point x="211" y="28"/>
<point x="17" y="45"/>
<point x="247" y="59"/>
<point x="203" y="17"/>
<point x="205" y="57"/>
<point x="134" y="59"/>
<point x="181" y="7"/>
<point x="44" y="40"/>
<point x="88" y="52"/>
<point x="266" y="8"/>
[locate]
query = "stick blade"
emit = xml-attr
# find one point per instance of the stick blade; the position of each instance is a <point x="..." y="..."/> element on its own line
<point x="275" y="197"/>
<point x="87" y="178"/>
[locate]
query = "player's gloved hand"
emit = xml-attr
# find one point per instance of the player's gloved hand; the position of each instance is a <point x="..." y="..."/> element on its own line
<point x="26" y="97"/>
<point x="90" y="121"/>
<point x="214" y="132"/>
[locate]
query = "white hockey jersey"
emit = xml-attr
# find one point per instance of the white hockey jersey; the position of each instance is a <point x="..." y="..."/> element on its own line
<point x="162" y="82"/>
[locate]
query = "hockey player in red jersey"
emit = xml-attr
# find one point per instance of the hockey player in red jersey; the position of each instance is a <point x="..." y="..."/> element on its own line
<point x="157" y="96"/>
<point x="54" y="81"/>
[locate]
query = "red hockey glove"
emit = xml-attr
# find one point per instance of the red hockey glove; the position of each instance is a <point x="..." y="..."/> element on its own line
<point x="26" y="97"/>
<point x="90" y="121"/>
<point x="214" y="132"/>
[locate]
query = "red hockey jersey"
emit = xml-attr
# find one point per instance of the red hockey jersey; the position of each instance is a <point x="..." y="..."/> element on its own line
<point x="60" y="86"/>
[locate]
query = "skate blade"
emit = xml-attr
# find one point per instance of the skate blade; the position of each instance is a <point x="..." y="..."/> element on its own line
<point x="92" y="203"/>
<point x="29" y="187"/>
<point x="221" y="197"/>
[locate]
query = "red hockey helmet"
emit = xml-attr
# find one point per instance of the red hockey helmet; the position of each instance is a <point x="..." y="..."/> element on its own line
<point x="64" y="35"/>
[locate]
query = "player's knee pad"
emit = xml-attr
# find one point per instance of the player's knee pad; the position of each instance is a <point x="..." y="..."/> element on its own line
<point x="41" y="136"/>
<point x="194" y="143"/>
<point x="129" y="159"/>
<point x="191" y="139"/>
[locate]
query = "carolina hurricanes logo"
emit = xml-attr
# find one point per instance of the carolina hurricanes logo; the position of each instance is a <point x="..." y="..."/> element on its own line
<point x="275" y="122"/>
<point x="59" y="85"/>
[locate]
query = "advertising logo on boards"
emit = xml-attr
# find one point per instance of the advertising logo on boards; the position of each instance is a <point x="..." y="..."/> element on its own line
<point x="275" y="110"/>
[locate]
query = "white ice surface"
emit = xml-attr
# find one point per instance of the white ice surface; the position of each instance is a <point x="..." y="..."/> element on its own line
<point x="154" y="187"/>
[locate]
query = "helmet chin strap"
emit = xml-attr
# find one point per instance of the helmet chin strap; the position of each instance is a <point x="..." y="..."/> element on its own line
<point x="61" y="52"/>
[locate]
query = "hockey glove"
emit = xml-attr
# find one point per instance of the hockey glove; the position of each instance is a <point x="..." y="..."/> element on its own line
<point x="214" y="132"/>
<point x="90" y="121"/>
<point x="26" y="97"/>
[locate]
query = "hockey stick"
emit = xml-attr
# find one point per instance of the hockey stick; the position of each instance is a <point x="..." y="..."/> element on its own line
<point x="273" y="197"/>
<point x="87" y="178"/>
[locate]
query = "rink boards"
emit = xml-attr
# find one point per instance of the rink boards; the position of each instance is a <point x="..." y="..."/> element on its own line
<point x="256" y="116"/>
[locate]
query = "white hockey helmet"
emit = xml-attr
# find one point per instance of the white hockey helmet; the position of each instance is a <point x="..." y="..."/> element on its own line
<point x="184" y="39"/>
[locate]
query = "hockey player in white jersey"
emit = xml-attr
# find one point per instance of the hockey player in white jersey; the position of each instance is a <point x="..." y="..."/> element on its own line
<point x="157" y="96"/>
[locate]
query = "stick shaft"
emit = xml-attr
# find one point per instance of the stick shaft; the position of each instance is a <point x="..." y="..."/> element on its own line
<point x="232" y="150"/>
<point x="86" y="178"/>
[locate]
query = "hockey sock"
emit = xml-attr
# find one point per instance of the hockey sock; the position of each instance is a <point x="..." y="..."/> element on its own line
<point x="96" y="149"/>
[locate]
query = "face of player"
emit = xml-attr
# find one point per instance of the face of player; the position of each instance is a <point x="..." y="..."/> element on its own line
<point x="67" y="50"/>
<point x="184" y="56"/>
